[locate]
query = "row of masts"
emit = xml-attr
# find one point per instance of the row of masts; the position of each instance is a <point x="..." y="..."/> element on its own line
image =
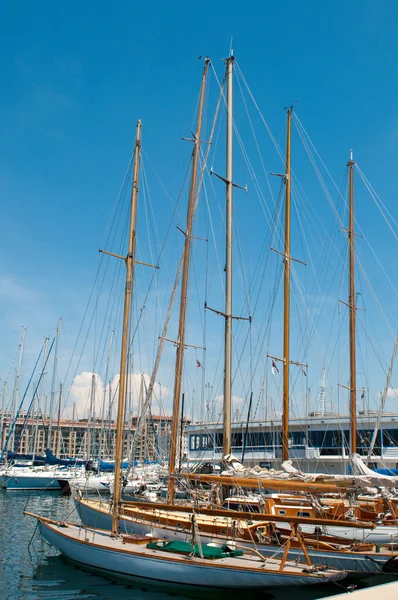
<point x="228" y="315"/>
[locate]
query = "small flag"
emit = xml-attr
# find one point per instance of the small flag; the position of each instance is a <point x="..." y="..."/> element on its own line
<point x="303" y="371"/>
<point x="274" y="368"/>
<point x="198" y="364"/>
<point x="363" y="395"/>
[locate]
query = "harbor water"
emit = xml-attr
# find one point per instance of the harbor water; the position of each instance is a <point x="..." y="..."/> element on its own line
<point x="31" y="570"/>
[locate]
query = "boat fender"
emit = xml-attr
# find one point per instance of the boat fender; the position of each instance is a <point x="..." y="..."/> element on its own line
<point x="230" y="545"/>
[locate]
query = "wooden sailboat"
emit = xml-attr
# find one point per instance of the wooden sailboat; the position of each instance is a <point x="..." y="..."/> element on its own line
<point x="193" y="564"/>
<point x="141" y="517"/>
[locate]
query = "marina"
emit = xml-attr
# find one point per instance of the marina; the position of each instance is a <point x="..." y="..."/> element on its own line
<point x="201" y="401"/>
<point x="30" y="569"/>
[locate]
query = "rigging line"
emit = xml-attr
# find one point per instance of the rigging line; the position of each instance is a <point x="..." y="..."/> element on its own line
<point x="92" y="291"/>
<point x="323" y="185"/>
<point x="213" y="234"/>
<point x="201" y="181"/>
<point x="241" y="263"/>
<point x="343" y="198"/>
<point x="317" y="298"/>
<point x="382" y="292"/>
<point x="314" y="331"/>
<point x="375" y="334"/>
<point x="264" y="339"/>
<point x="256" y="141"/>
<point x="163" y="310"/>
<point x="378" y="201"/>
<point x="281" y="154"/>
<point x="150" y="225"/>
<point x="374" y="296"/>
<point x="204" y="336"/>
<point x="306" y="143"/>
<point x="196" y="202"/>
<point x="274" y="241"/>
<point x="250" y="167"/>
<point x="380" y="265"/>
<point x="179" y="195"/>
<point x="380" y="361"/>
<point x="162" y="340"/>
<point x="95" y="311"/>
<point x="161" y="250"/>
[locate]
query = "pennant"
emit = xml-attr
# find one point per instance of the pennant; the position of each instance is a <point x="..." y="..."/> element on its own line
<point x="198" y="364"/>
<point x="363" y="395"/>
<point x="303" y="371"/>
<point x="274" y="368"/>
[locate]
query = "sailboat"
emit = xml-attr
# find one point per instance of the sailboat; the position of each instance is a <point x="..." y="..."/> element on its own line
<point x="381" y="509"/>
<point x="175" y="520"/>
<point x="216" y="565"/>
<point x="143" y="518"/>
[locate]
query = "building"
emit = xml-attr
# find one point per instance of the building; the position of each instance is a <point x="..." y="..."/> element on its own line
<point x="318" y="442"/>
<point x="87" y="439"/>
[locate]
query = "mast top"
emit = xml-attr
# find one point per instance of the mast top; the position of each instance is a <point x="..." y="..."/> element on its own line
<point x="351" y="161"/>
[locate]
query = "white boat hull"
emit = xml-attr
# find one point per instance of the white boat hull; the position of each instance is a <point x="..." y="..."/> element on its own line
<point x="382" y="534"/>
<point x="99" y="551"/>
<point x="350" y="561"/>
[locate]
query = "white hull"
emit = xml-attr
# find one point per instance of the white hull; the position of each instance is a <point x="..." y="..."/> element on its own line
<point x="98" y="550"/>
<point x="382" y="534"/>
<point x="350" y="561"/>
<point x="87" y="484"/>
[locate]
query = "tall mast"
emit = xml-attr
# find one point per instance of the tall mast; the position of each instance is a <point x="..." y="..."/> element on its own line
<point x="228" y="270"/>
<point x="90" y="422"/>
<point x="15" y="394"/>
<point x="129" y="259"/>
<point x="58" y="437"/>
<point x="101" y="444"/>
<point x="286" y="303"/>
<point x="51" y="410"/>
<point x="351" y="305"/>
<point x="3" y="407"/>
<point x="144" y="431"/>
<point x="39" y="397"/>
<point x="72" y="441"/>
<point x="184" y="291"/>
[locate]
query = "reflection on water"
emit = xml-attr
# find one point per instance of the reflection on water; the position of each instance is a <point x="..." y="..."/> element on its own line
<point x="31" y="570"/>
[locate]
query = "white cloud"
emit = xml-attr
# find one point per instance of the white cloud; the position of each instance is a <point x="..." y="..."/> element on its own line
<point x="81" y="391"/>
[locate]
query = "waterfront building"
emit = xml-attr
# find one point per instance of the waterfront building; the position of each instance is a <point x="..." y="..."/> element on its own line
<point x="85" y="439"/>
<point x="317" y="443"/>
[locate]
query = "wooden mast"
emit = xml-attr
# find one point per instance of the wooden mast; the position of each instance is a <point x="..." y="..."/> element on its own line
<point x="129" y="259"/>
<point x="286" y="303"/>
<point x="52" y="397"/>
<point x="58" y="437"/>
<point x="184" y="292"/>
<point x="352" y="307"/>
<point x="228" y="270"/>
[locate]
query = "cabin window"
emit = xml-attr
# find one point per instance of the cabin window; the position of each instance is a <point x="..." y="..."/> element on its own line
<point x="302" y="513"/>
<point x="390" y="437"/>
<point x="281" y="512"/>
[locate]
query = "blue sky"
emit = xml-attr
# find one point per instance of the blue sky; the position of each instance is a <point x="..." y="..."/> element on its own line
<point x="75" y="78"/>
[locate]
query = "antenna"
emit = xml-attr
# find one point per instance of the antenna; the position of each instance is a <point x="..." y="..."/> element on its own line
<point x="231" y="51"/>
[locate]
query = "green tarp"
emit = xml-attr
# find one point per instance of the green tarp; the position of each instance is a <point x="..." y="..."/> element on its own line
<point x="187" y="548"/>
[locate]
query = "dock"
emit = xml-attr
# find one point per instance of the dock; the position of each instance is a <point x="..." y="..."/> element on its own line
<point x="386" y="591"/>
